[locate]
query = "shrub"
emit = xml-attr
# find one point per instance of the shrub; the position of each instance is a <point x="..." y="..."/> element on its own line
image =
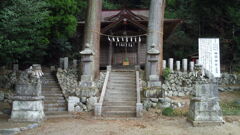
<point x="168" y="111"/>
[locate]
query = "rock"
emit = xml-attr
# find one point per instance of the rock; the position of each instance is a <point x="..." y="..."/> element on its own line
<point x="146" y="104"/>
<point x="221" y="89"/>
<point x="181" y="94"/>
<point x="78" y="109"/>
<point x="31" y="126"/>
<point x="155" y="100"/>
<point x="84" y="100"/>
<point x="91" y="103"/>
<point x="154" y="105"/>
<point x="164" y="105"/>
<point x="1" y="96"/>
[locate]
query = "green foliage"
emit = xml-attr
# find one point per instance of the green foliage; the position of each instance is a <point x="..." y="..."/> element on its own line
<point x="63" y="19"/>
<point x="166" y="73"/>
<point x="168" y="111"/>
<point x="23" y="31"/>
<point x="231" y="108"/>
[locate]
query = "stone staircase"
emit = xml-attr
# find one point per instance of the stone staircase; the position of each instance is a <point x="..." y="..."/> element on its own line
<point x="54" y="101"/>
<point x="120" y="98"/>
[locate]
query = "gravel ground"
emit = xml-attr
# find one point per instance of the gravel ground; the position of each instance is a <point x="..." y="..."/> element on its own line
<point x="150" y="124"/>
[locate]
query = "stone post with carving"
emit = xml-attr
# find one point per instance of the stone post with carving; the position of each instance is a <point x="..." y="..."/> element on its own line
<point x="28" y="101"/>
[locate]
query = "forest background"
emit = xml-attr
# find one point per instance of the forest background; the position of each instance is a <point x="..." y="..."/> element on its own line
<point x="41" y="31"/>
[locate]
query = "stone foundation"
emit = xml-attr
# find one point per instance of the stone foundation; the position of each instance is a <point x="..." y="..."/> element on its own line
<point x="30" y="111"/>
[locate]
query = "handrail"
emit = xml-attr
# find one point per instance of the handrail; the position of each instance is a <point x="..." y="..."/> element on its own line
<point x="104" y="87"/>
<point x="137" y="87"/>
<point x="98" y="106"/>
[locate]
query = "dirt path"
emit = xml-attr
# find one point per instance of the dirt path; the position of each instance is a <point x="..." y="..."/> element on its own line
<point x="151" y="124"/>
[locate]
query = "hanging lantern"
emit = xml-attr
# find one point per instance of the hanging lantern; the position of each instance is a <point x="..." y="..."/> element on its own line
<point x="135" y="39"/>
<point x="113" y="39"/>
<point x="131" y="39"/>
<point x="139" y="40"/>
<point x="126" y="39"/>
<point x="117" y="39"/>
<point x="122" y="39"/>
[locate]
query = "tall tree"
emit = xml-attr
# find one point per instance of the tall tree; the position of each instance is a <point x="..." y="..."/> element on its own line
<point x="23" y="31"/>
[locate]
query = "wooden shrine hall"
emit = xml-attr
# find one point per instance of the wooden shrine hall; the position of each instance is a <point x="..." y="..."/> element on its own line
<point x="123" y="36"/>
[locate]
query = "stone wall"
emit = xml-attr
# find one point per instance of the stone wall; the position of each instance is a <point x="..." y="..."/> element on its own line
<point x="69" y="83"/>
<point x="182" y="84"/>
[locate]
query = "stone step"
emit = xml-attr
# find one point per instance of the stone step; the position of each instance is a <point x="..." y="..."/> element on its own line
<point x="119" y="99"/>
<point x="52" y="89"/>
<point x="115" y="92"/>
<point x="51" y="92"/>
<point x="119" y="108"/>
<point x="116" y="86"/>
<point x="51" y="86"/>
<point x="123" y="81"/>
<point x="119" y="114"/>
<point x="53" y="95"/>
<point x="54" y="101"/>
<point x="119" y="103"/>
<point x="127" y="95"/>
<point x="122" y="78"/>
<point x="55" y="105"/>
<point x="55" y="109"/>
<point x="121" y="89"/>
<point x="53" y="98"/>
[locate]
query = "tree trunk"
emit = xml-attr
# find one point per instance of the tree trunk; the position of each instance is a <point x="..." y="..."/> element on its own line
<point x="155" y="32"/>
<point x="92" y="32"/>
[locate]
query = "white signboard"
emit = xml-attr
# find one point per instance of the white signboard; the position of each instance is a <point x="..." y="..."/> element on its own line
<point x="209" y="55"/>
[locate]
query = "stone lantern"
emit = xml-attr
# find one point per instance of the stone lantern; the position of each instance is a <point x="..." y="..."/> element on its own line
<point x="87" y="67"/>
<point x="153" y="60"/>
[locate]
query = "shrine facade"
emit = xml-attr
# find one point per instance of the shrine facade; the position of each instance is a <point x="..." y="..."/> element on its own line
<point x="123" y="36"/>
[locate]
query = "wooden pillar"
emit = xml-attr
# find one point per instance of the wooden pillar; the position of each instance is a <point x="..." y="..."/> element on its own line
<point x="92" y="32"/>
<point x="110" y="53"/>
<point x="155" y="32"/>
<point x="138" y="53"/>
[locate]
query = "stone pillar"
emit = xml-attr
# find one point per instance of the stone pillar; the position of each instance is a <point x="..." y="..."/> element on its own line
<point x="87" y="76"/>
<point x="65" y="65"/>
<point x="191" y="66"/>
<point x="61" y="63"/>
<point x="204" y="107"/>
<point x="15" y="67"/>
<point x="185" y="65"/>
<point x="164" y="64"/>
<point x="155" y="33"/>
<point x="28" y="102"/>
<point x="75" y="64"/>
<point x="92" y="32"/>
<point x="153" y="60"/>
<point x="170" y="64"/>
<point x="178" y="65"/>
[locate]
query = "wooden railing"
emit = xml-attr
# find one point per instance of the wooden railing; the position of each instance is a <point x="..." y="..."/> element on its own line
<point x="98" y="106"/>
